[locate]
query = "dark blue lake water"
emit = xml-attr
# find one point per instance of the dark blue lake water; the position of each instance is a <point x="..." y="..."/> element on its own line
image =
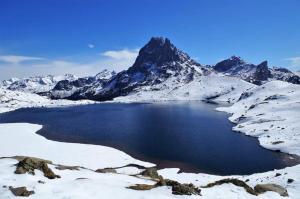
<point x="191" y="136"/>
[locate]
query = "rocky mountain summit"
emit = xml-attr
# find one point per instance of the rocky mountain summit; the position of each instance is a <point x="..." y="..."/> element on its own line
<point x="256" y="74"/>
<point x="159" y="60"/>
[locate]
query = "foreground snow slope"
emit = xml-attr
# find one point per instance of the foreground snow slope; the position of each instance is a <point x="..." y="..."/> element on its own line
<point x="20" y="139"/>
<point x="270" y="112"/>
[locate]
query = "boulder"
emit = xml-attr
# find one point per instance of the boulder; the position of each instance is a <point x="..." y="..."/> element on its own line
<point x="151" y="172"/>
<point x="234" y="181"/>
<point x="262" y="188"/>
<point x="185" y="189"/>
<point x="21" y="191"/>
<point x="142" y="187"/>
<point x="28" y="165"/>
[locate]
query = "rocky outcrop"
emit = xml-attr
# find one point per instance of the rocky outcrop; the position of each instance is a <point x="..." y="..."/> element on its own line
<point x="177" y="188"/>
<point x="106" y="170"/>
<point x="262" y="188"/>
<point x="234" y="181"/>
<point x="261" y="74"/>
<point x="150" y="172"/>
<point x="228" y="64"/>
<point x="20" y="191"/>
<point x="258" y="189"/>
<point x="28" y="165"/>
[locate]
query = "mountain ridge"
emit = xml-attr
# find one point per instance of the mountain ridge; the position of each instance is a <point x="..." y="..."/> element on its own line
<point x="160" y="65"/>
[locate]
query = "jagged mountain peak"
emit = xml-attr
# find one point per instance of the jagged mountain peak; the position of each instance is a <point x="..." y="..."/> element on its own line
<point x="227" y="64"/>
<point x="159" y="51"/>
<point x="263" y="64"/>
<point x="105" y="74"/>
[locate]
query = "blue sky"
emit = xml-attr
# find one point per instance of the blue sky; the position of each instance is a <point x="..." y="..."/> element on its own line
<point x="86" y="36"/>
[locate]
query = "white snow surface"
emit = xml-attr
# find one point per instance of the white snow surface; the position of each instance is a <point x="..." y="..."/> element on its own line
<point x="270" y="112"/>
<point x="20" y="139"/>
<point x="227" y="88"/>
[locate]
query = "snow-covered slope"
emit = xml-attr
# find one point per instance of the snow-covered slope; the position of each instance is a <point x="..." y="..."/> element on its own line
<point x="227" y="89"/>
<point x="270" y="112"/>
<point x="37" y="84"/>
<point x="83" y="182"/>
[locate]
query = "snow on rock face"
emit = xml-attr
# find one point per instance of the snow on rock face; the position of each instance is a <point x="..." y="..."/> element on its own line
<point x="67" y="88"/>
<point x="35" y="84"/>
<point x="270" y="112"/>
<point x="158" y="61"/>
<point x="256" y="74"/>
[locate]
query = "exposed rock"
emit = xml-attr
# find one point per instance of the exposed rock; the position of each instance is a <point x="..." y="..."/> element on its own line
<point x="227" y="64"/>
<point x="141" y="187"/>
<point x="28" y="165"/>
<point x="151" y="172"/>
<point x="290" y="180"/>
<point x="261" y="74"/>
<point x="262" y="188"/>
<point x="185" y="189"/>
<point x="277" y="174"/>
<point x="177" y="188"/>
<point x="277" y="142"/>
<point x="21" y="191"/>
<point x="234" y="181"/>
<point x="106" y="170"/>
<point x="63" y="167"/>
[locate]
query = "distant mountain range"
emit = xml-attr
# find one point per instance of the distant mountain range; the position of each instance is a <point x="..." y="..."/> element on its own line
<point x="38" y="84"/>
<point x="159" y="65"/>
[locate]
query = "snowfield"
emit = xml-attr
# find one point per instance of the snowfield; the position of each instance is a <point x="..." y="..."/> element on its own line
<point x="12" y="100"/>
<point x="227" y="89"/>
<point x="270" y="112"/>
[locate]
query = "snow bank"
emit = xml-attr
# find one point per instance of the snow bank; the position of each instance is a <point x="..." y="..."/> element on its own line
<point x="20" y="139"/>
<point x="270" y="112"/>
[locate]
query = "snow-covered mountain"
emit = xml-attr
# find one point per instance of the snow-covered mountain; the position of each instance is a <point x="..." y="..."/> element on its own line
<point x="158" y="62"/>
<point x="67" y="88"/>
<point x="37" y="84"/>
<point x="161" y="71"/>
<point x="256" y="74"/>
